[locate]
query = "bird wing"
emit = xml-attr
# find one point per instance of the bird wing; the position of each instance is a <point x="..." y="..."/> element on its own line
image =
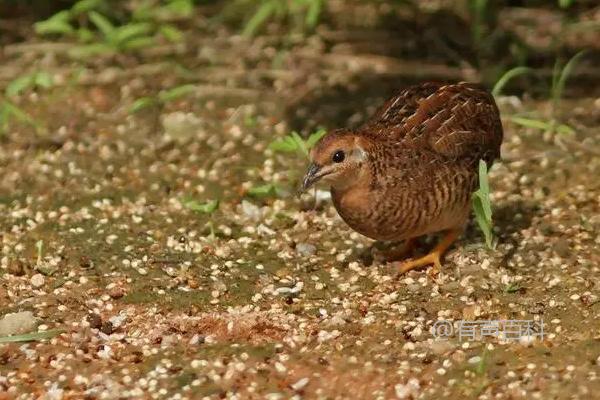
<point x="454" y="121"/>
<point x="390" y="118"/>
<point x="465" y="124"/>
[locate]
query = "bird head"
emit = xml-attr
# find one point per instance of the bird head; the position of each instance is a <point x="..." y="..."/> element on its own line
<point x="338" y="159"/>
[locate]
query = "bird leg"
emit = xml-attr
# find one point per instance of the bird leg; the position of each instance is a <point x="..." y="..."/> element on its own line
<point x="434" y="256"/>
<point x="397" y="252"/>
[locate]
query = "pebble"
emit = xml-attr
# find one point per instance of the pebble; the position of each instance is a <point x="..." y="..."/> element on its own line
<point x="38" y="280"/>
<point x="107" y="328"/>
<point x="95" y="321"/>
<point x="280" y="367"/>
<point x="16" y="268"/>
<point x="299" y="385"/>
<point x="17" y="323"/>
<point x="251" y="211"/>
<point x="408" y="390"/>
<point x="116" y="292"/>
<point x="306" y="249"/>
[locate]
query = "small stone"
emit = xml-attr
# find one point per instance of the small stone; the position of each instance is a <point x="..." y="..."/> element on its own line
<point x="95" y="321"/>
<point x="85" y="262"/>
<point x="180" y="126"/>
<point x="306" y="249"/>
<point x="116" y="292"/>
<point x="107" y="328"/>
<point x="38" y="280"/>
<point x="16" y="268"/>
<point x="299" y="385"/>
<point x="251" y="211"/>
<point x="117" y="320"/>
<point x="280" y="367"/>
<point x="408" y="390"/>
<point x="17" y="323"/>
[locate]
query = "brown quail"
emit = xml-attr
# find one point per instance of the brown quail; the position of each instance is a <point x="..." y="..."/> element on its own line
<point x="411" y="169"/>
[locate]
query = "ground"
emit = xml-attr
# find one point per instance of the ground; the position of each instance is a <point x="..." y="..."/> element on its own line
<point x="275" y="297"/>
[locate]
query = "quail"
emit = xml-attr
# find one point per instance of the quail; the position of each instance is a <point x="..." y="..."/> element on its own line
<point x="411" y="169"/>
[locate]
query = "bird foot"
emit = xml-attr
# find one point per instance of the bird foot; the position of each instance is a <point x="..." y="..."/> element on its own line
<point x="431" y="258"/>
<point x="434" y="256"/>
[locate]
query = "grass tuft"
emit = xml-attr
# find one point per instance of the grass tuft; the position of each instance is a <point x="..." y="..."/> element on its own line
<point x="482" y="205"/>
<point x="293" y="143"/>
<point x="508" y="76"/>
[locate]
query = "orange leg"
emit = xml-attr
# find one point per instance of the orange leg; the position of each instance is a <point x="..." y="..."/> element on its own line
<point x="398" y="253"/>
<point x="434" y="256"/>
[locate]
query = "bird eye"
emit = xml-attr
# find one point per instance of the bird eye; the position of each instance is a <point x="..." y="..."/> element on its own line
<point x="338" y="156"/>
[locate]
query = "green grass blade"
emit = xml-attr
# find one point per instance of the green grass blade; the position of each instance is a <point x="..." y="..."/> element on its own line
<point x="30" y="337"/>
<point x="176" y="92"/>
<point x="484" y="224"/>
<point x="482" y="205"/>
<point x="83" y="6"/>
<point x="19" y="115"/>
<point x="484" y="185"/>
<point x="512" y="288"/>
<point x="313" y="13"/>
<point x="565" y="129"/>
<point x="558" y="86"/>
<point x="564" y="4"/>
<point x="128" y="32"/>
<point x="18" y="85"/>
<point x="102" y="23"/>
<point x="58" y="24"/>
<point x="180" y="8"/>
<point x="555" y="74"/>
<point x="285" y="145"/>
<point x="531" y="123"/>
<point x="478" y="9"/>
<point x="268" y="189"/>
<point x="299" y="143"/>
<point x="171" y="33"/>
<point x="260" y="17"/>
<point x="314" y="138"/>
<point x="43" y="79"/>
<point x="85" y="35"/>
<point x="141" y="104"/>
<point x="138" y="43"/>
<point x="508" y="75"/>
<point x="204" y="208"/>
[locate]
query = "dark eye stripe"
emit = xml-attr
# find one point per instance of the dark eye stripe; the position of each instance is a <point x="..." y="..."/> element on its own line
<point x="338" y="156"/>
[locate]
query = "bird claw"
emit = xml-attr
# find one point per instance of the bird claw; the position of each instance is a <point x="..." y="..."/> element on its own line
<point x="431" y="258"/>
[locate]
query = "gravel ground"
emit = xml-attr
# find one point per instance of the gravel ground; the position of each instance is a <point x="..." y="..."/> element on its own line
<point x="274" y="297"/>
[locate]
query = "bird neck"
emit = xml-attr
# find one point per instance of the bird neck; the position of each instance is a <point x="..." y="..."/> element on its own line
<point x="358" y="178"/>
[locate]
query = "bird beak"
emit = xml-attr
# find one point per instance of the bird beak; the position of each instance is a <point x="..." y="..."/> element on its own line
<point x="312" y="175"/>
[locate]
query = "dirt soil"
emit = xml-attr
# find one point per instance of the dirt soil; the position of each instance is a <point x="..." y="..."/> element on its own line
<point x="275" y="297"/>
